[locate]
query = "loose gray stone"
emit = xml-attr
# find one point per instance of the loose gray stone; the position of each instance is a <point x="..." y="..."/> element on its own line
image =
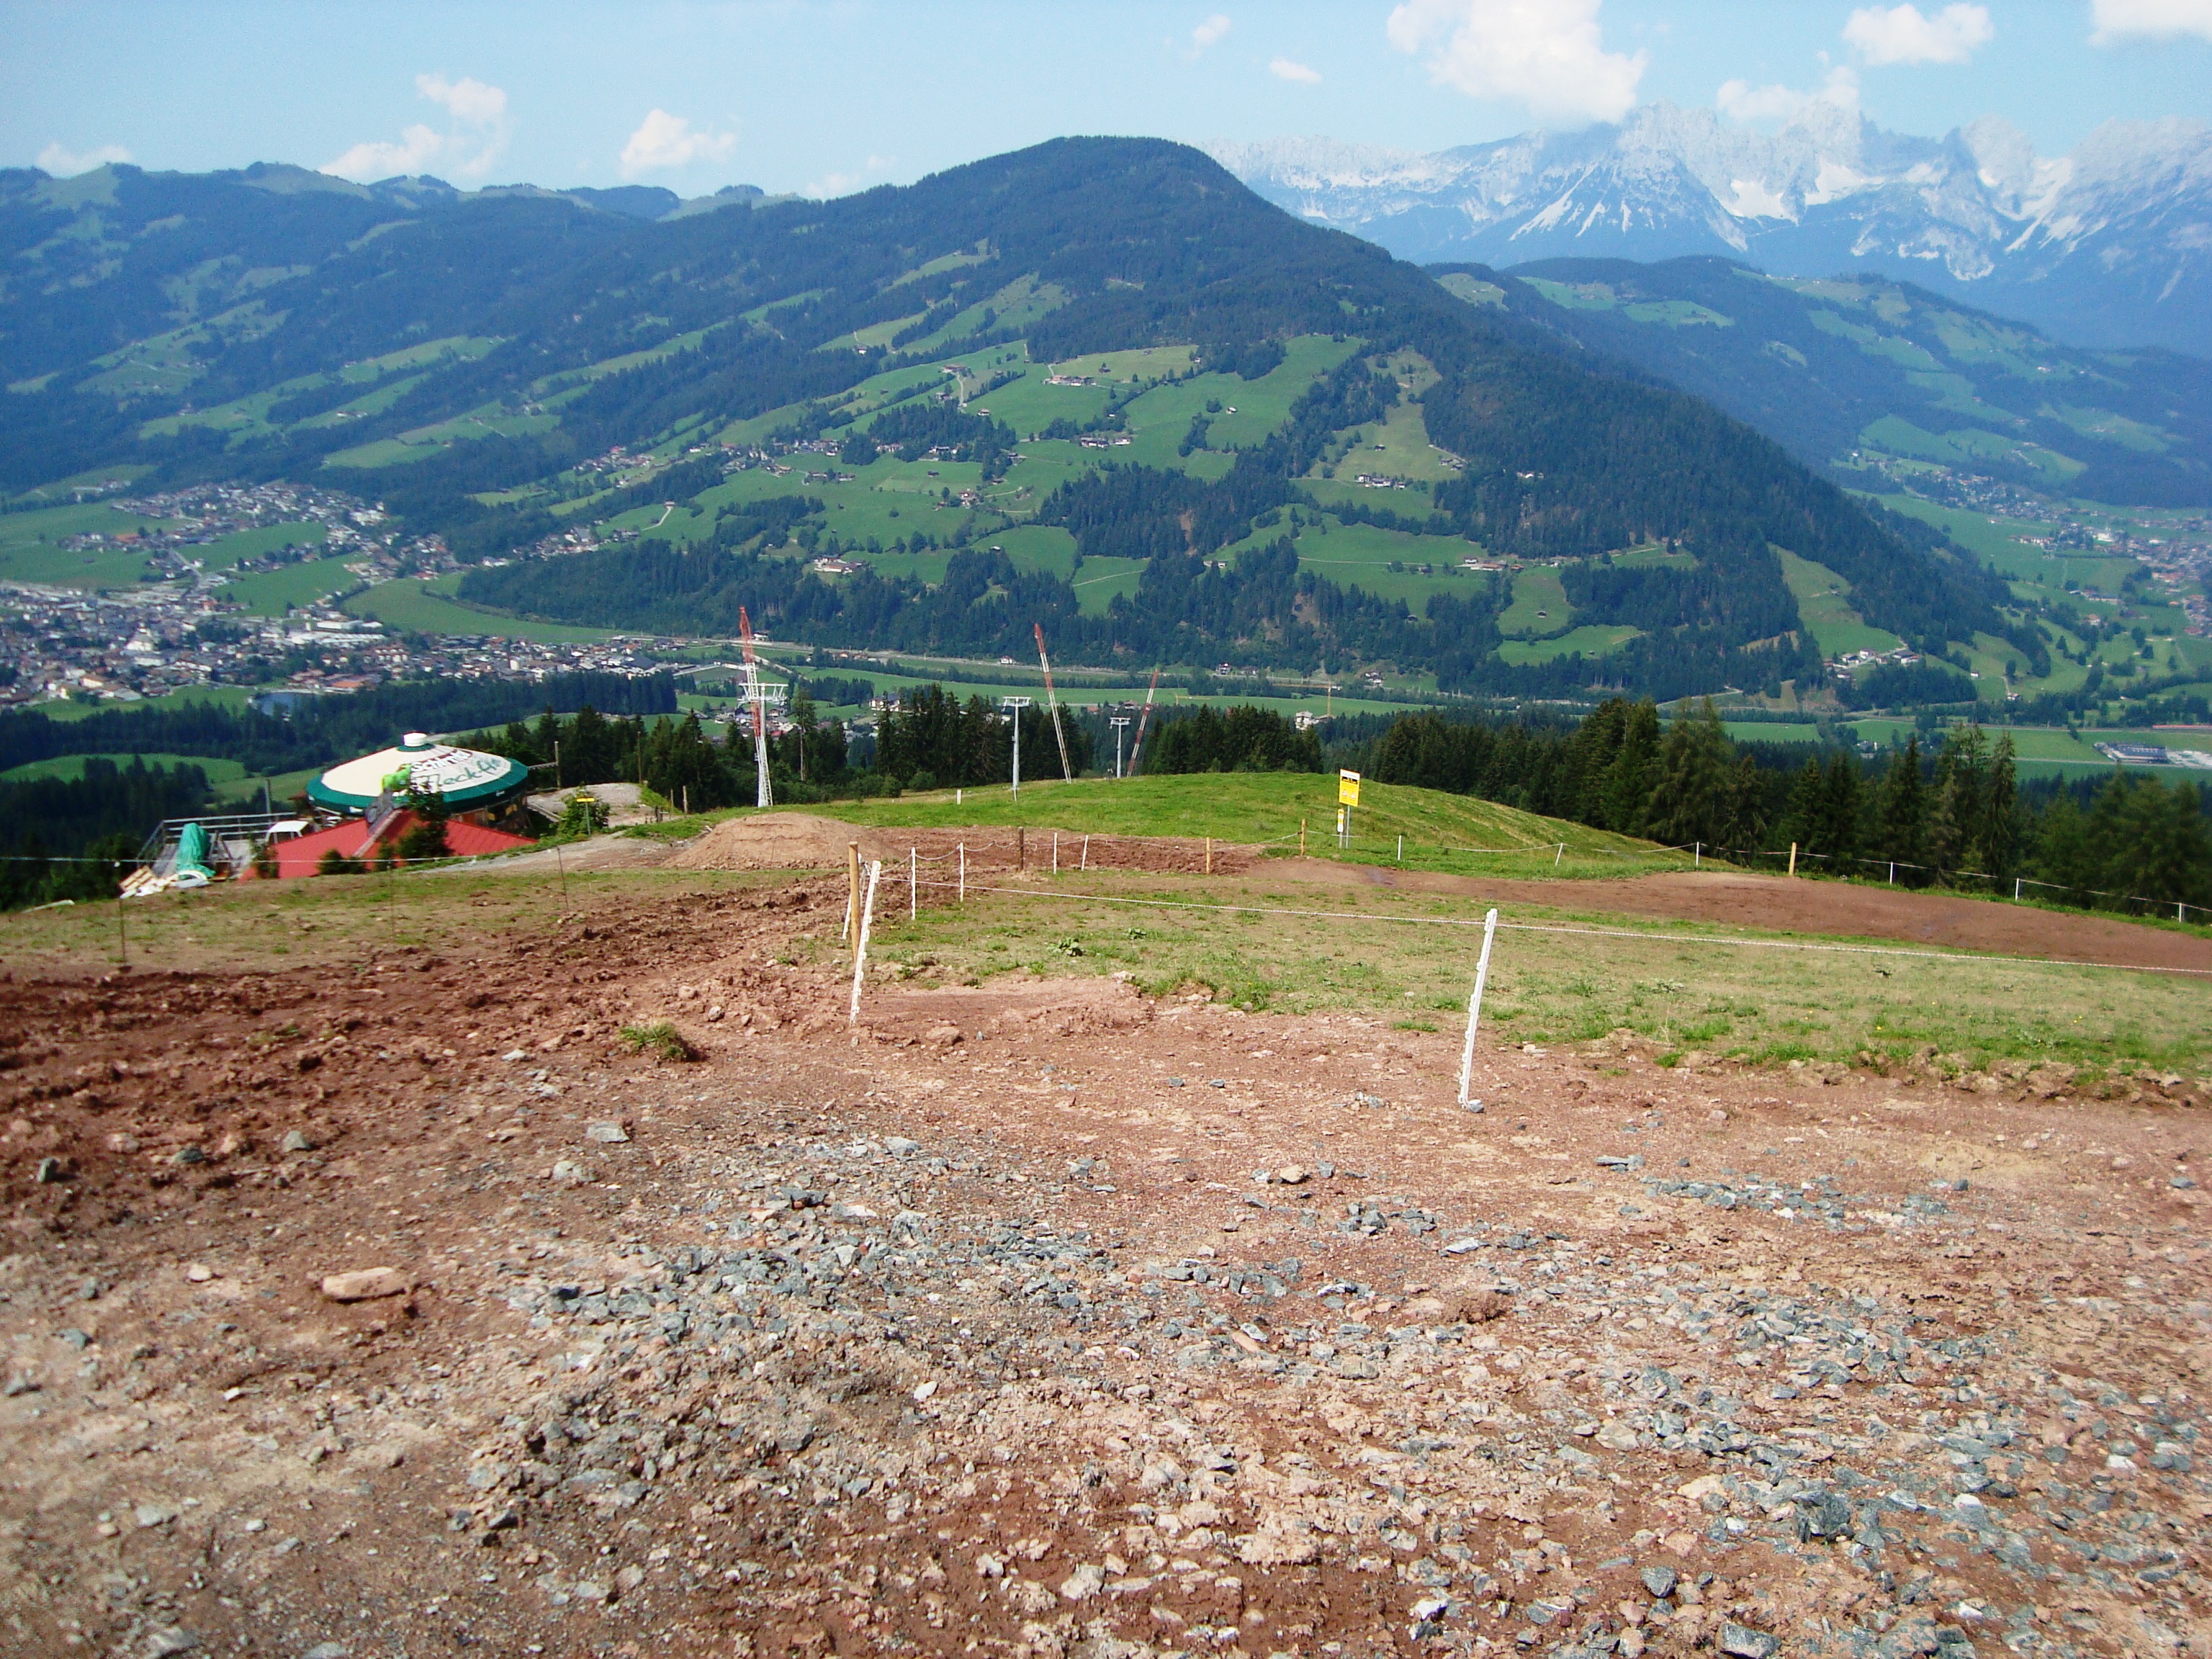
<point x="1745" y="1643"/>
<point x="1826" y="1517"/>
<point x="296" y="1141"/>
<point x="1660" y="1581"/>
<point x="611" y="1134"/>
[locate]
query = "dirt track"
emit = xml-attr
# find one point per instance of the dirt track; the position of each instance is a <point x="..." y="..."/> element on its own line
<point x="1736" y="898"/>
<point x="1044" y="1318"/>
<point x="800" y="840"/>
<point x="1777" y="904"/>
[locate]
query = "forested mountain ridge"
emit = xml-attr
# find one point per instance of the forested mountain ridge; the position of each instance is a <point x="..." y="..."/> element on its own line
<point x="456" y="358"/>
<point x="1853" y="370"/>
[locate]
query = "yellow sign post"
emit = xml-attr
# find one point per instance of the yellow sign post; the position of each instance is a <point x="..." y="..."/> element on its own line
<point x="1347" y="797"/>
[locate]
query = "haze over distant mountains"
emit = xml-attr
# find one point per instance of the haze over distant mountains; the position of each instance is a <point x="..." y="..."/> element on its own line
<point x="2110" y="245"/>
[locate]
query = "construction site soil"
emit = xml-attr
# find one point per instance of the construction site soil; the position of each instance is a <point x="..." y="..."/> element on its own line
<point x="393" y="1306"/>
<point x="1735" y="897"/>
<point x="798" y="840"/>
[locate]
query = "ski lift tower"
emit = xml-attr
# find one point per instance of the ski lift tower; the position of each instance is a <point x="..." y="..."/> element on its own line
<point x="1014" y="705"/>
<point x="759" y="695"/>
<point x="1119" y="723"/>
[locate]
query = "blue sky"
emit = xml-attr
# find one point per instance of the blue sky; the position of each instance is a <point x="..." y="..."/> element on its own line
<point x="829" y="96"/>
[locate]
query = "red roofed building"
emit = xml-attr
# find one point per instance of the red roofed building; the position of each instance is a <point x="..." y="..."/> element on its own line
<point x="302" y="855"/>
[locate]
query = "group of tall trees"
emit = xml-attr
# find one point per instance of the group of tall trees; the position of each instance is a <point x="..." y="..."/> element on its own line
<point x="1954" y="817"/>
<point x="321" y="731"/>
<point x="932" y="740"/>
<point x="1621" y="768"/>
<point x="1957" y="816"/>
<point x="1241" y="739"/>
<point x="73" y="838"/>
<point x="677" y="758"/>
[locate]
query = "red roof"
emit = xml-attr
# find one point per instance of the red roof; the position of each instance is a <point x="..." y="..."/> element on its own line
<point x="301" y="855"/>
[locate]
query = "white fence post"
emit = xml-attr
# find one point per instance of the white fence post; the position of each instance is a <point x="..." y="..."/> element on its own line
<point x="861" y="954"/>
<point x="1474" y="1007"/>
<point x="964" y="872"/>
<point x="913" y="883"/>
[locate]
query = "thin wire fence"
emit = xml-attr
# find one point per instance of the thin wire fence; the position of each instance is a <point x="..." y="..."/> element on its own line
<point x="1736" y="941"/>
<point x="1060" y="851"/>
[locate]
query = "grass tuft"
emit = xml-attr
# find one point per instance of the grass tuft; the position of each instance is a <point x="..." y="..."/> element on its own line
<point x="659" y="1038"/>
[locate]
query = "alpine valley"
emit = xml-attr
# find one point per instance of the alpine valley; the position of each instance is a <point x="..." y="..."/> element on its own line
<point x="1097" y="387"/>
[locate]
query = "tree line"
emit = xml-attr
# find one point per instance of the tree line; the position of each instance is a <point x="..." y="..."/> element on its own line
<point x="1956" y="816"/>
<point x="73" y="838"/>
<point x="321" y="731"/>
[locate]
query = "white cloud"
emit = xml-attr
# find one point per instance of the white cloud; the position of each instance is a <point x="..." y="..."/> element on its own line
<point x="663" y="141"/>
<point x="476" y="139"/>
<point x="840" y="184"/>
<point x="1742" y="101"/>
<point x="62" y="163"/>
<point x="1900" y="34"/>
<point x="1289" y="69"/>
<point x="1209" y="33"/>
<point x="472" y="103"/>
<point x="2124" y="20"/>
<point x="1548" y="55"/>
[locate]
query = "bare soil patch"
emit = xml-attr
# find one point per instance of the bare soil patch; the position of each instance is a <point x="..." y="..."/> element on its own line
<point x="1118" y="1326"/>
<point x="782" y="840"/>
<point x="1777" y="904"/>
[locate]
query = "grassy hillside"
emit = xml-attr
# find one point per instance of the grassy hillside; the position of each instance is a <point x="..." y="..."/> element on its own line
<point x="1858" y="368"/>
<point x="1194" y="428"/>
<point x="1441" y="831"/>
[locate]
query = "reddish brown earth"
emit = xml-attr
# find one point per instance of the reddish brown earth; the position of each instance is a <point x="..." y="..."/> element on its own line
<point x="783" y="841"/>
<point x="1778" y="904"/>
<point x="1044" y="1318"/>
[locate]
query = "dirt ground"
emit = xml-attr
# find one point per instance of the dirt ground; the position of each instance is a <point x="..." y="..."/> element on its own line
<point x="393" y="1307"/>
<point x="1776" y="904"/>
<point x="788" y="839"/>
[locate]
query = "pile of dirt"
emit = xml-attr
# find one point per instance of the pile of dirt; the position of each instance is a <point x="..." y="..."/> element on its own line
<point x="778" y="840"/>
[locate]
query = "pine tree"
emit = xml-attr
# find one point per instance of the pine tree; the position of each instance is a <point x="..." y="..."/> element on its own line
<point x="1686" y="804"/>
<point x="2161" y="852"/>
<point x="1901" y="814"/>
<point x="1836" y="833"/>
<point x="2000" y="814"/>
<point x="1629" y="779"/>
<point x="1957" y="806"/>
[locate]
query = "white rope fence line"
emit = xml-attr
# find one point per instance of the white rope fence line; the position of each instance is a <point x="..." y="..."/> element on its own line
<point x="1996" y="882"/>
<point x="1735" y="940"/>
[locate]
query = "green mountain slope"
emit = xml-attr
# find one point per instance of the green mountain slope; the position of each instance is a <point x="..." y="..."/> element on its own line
<point x="1097" y="384"/>
<point x="1858" y="368"/>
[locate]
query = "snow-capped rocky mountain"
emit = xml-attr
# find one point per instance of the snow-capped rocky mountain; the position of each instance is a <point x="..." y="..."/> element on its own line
<point x="2110" y="245"/>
